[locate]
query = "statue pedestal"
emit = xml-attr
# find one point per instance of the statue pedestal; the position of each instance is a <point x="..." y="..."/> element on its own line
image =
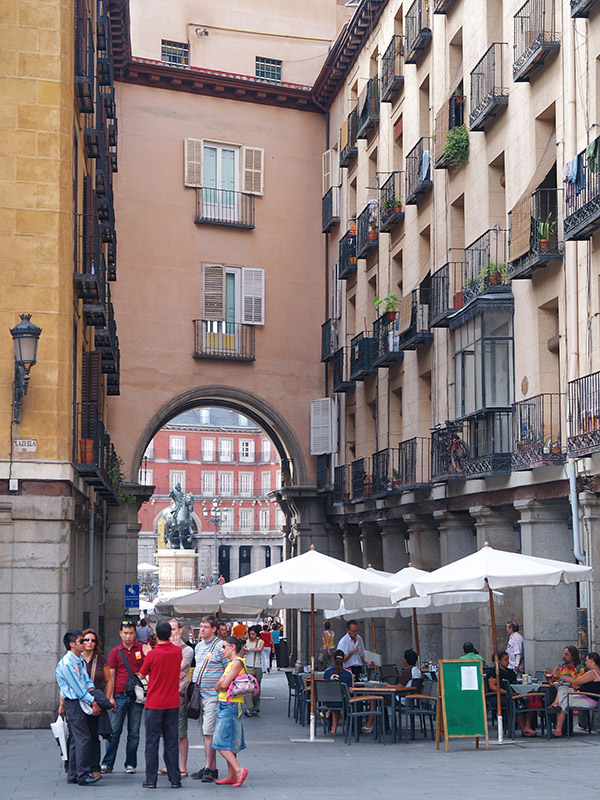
<point x="176" y="570"/>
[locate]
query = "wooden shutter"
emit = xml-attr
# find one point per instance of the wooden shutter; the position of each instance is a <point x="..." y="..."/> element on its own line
<point x="326" y="171"/>
<point x="335" y="165"/>
<point x="253" y="296"/>
<point x="253" y="170"/>
<point x="91" y="378"/>
<point x="322" y="426"/>
<point x="193" y="162"/>
<point x="213" y="291"/>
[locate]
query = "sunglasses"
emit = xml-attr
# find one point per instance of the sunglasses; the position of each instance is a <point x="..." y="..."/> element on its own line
<point x="127" y="623"/>
<point x="87" y="639"/>
<point x="80" y="641"/>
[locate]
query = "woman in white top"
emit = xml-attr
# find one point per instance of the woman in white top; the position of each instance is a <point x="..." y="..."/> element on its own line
<point x="578" y="689"/>
<point x="254" y="648"/>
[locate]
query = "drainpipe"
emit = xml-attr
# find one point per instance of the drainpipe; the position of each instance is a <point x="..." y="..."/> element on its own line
<point x="103" y="559"/>
<point x="579" y="554"/>
<point x="90" y="584"/>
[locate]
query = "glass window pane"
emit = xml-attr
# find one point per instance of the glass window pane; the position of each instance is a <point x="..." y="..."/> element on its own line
<point x="498" y="373"/>
<point x="469" y="383"/>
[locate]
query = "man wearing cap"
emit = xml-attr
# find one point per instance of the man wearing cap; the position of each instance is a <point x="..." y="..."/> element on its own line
<point x="133" y="652"/>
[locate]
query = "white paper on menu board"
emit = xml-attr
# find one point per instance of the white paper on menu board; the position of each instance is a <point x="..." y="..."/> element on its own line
<point x="468" y="679"/>
<point x="374" y="657"/>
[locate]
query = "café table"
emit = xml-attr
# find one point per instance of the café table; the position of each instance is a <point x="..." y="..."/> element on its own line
<point x="536" y="688"/>
<point x="387" y="691"/>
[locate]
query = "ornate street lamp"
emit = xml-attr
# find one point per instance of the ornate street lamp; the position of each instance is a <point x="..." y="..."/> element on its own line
<point x="215" y="518"/>
<point x="25" y="340"/>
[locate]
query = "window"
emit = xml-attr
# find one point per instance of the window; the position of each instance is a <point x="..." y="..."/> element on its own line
<point x="145" y="477"/>
<point x="226" y="484"/>
<point x="246" y="519"/>
<point x="208" y="484"/>
<point x="278" y="479"/>
<point x="226" y="520"/>
<point x="233" y="295"/>
<point x="244" y="561"/>
<point x="177" y="448"/>
<point x="176" y="477"/>
<point x="208" y="449"/>
<point x="246" y="481"/>
<point x="268" y="69"/>
<point x="205" y="416"/>
<point x="222" y="168"/>
<point x="280" y="518"/>
<point x="265" y="483"/>
<point x="264" y="519"/>
<point x="150" y="450"/>
<point x="266" y="451"/>
<point x="177" y="53"/>
<point x="247" y="450"/>
<point x="225" y="449"/>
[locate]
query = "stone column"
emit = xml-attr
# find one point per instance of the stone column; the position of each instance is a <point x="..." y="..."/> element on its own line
<point x="495" y="526"/>
<point x="335" y="539"/>
<point x="590" y="507"/>
<point x="549" y="614"/>
<point x="424" y="545"/>
<point x="372" y="553"/>
<point x="352" y="544"/>
<point x="398" y="631"/>
<point x="457" y="540"/>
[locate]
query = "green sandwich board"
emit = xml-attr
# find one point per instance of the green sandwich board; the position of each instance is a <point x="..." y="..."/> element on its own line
<point x="462" y="697"/>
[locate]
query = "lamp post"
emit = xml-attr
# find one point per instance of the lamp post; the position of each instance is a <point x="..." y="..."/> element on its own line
<point x="25" y="341"/>
<point x="215" y="518"/>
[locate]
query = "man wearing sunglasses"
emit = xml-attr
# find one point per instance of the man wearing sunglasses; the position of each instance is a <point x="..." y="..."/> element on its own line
<point x="79" y="705"/>
<point x="127" y="708"/>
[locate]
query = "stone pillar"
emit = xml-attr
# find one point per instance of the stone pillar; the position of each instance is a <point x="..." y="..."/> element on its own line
<point x="177" y="570"/>
<point x="590" y="507"/>
<point x="457" y="540"/>
<point x="424" y="545"/>
<point x="372" y="553"/>
<point x="398" y="631"/>
<point x="495" y="526"/>
<point x="549" y="613"/>
<point x="352" y="544"/>
<point x="335" y="539"/>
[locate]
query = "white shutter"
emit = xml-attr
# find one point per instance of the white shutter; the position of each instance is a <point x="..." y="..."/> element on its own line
<point x="326" y="171"/>
<point x="336" y="292"/>
<point x="253" y="170"/>
<point x="213" y="291"/>
<point x="322" y="428"/>
<point x="193" y="162"/>
<point x="335" y="165"/>
<point x="253" y="296"/>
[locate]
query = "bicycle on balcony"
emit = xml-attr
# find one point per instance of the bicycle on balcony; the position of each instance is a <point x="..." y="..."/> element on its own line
<point x="452" y="450"/>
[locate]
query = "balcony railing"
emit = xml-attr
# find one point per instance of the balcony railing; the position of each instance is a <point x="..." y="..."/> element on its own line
<point x="582" y="8"/>
<point x="418" y="171"/>
<point x="472" y="448"/>
<point x="391" y="211"/>
<point x="84" y="64"/>
<point x="533" y="233"/>
<point x="348" y="146"/>
<point x="219" y="339"/>
<point x="96" y="461"/>
<point x="452" y="115"/>
<point x="535" y="37"/>
<point x="329" y="339"/>
<point x="441" y="6"/>
<point x="362" y="348"/>
<point x="584" y="415"/>
<point x="392" y="70"/>
<point x="418" y="30"/>
<point x="367" y="235"/>
<point x="225" y="207"/>
<point x="402" y="469"/>
<point x="368" y="108"/>
<point x="488" y="90"/>
<point x="330" y="209"/>
<point x="90" y="269"/>
<point x="418" y="330"/>
<point x="341" y="484"/>
<point x="446" y="297"/>
<point x="106" y="342"/>
<point x="362" y="480"/>
<point x="537" y="434"/>
<point x="582" y="194"/>
<point x="386" y="338"/>
<point x="347" y="261"/>
<point x="485" y="265"/>
<point x="342" y="382"/>
<point x="323" y="472"/>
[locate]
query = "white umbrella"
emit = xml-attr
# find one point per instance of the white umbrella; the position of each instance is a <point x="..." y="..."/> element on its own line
<point x="145" y="566"/>
<point x="205" y="601"/>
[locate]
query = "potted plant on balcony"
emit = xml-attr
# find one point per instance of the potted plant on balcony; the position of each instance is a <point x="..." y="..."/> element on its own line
<point x="493" y="273"/>
<point x="389" y="303"/>
<point x="546" y="229"/>
<point x="456" y="146"/>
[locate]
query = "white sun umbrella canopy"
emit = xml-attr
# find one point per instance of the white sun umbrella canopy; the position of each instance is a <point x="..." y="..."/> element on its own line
<point x="145" y="566"/>
<point x="446" y="602"/>
<point x="207" y="601"/>
<point x="403" y="582"/>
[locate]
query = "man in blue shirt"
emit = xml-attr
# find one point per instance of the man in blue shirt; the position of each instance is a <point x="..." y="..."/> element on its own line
<point x="80" y="705"/>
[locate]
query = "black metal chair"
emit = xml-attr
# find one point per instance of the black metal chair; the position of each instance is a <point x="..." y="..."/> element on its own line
<point x="422" y="704"/>
<point x="361" y="707"/>
<point x="328" y="697"/>
<point x="516" y="707"/>
<point x="303" y="702"/>
<point x="568" y="709"/>
<point x="292" y="691"/>
<point x="389" y="674"/>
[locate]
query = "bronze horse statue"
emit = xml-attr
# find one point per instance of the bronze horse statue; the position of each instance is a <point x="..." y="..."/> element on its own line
<point x="179" y="524"/>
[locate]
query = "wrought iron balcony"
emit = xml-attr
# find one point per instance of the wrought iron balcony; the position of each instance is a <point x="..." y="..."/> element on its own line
<point x="452" y="115"/>
<point x="391" y="211"/>
<point x="362" y="348"/>
<point x="342" y="381"/>
<point x="392" y="70"/>
<point x="368" y="108"/>
<point x="582" y="8"/>
<point x="92" y="143"/>
<point x="488" y="91"/>
<point x="537" y="432"/>
<point x="413" y="470"/>
<point x="536" y="37"/>
<point x="111" y="259"/>
<point x="329" y="339"/>
<point x="418" y="171"/>
<point x="418" y="330"/>
<point x="110" y="107"/>
<point x="386" y="347"/>
<point x="446" y="296"/>
<point x="472" y="448"/>
<point x="84" y="64"/>
<point x="341" y="484"/>
<point x="323" y="473"/>
<point x="330" y="209"/>
<point x="417" y="25"/>
<point x="90" y="269"/>
<point x="485" y="266"/>
<point x="347" y="260"/>
<point x="441" y="6"/>
<point x="220" y="339"/>
<point x="224" y="207"/>
<point x="367" y="236"/>
<point x="362" y="480"/>
<point x="348" y="146"/>
<point x="533" y="234"/>
<point x="584" y="415"/>
<point x="96" y="461"/>
<point x="582" y="194"/>
<point x="106" y="341"/>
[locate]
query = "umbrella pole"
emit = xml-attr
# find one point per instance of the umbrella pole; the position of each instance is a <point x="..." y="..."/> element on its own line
<point x="373" y="637"/>
<point x="416" y="632"/>
<point x="312" y="668"/>
<point x="495" y="640"/>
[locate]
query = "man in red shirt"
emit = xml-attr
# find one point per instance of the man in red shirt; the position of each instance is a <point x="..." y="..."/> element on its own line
<point x="126" y="705"/>
<point x="162" y="665"/>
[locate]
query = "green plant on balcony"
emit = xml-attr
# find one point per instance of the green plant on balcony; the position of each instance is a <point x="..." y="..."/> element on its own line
<point x="115" y="476"/>
<point x="456" y="146"/>
<point x="392" y="206"/>
<point x="389" y="303"/>
<point x="494" y="273"/>
<point x="546" y="229"/>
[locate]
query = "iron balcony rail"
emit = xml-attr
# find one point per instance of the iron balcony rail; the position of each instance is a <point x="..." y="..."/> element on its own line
<point x="341" y="484"/>
<point x="89" y="265"/>
<point x="348" y="146"/>
<point x="329" y="339"/>
<point x="582" y="194"/>
<point x="418" y="30"/>
<point x="418" y="170"/>
<point x="452" y="115"/>
<point x="386" y="340"/>
<point x="84" y="64"/>
<point x="419" y="328"/>
<point x="224" y="207"/>
<point x="582" y="8"/>
<point x="362" y="348"/>
<point x="402" y="469"/>
<point x="323" y="472"/>
<point x="330" y="210"/>
<point x="392" y="69"/>
<point x="584" y="415"/>
<point x="106" y="341"/>
<point x="96" y="461"/>
<point x="220" y="339"/>
<point x="179" y="455"/>
<point x="488" y="90"/>
<point x="342" y="381"/>
<point x="474" y="447"/>
<point x="485" y="265"/>
<point x="535" y="37"/>
<point x="368" y="108"/>
<point x="446" y="296"/>
<point x="533" y="234"/>
<point x="362" y="480"/>
<point x="347" y="260"/>
<point x="367" y="236"/>
<point x="390" y="202"/>
<point x="537" y="432"/>
<point x="441" y="6"/>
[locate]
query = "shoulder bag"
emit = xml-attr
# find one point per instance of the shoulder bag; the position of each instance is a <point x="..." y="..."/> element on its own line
<point x="193" y="708"/>
<point x="133" y="686"/>
<point x="244" y="683"/>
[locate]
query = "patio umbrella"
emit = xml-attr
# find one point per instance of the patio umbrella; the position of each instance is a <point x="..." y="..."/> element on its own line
<point x="145" y="566"/>
<point x="206" y="601"/>
<point x="311" y="578"/>
<point x="490" y="569"/>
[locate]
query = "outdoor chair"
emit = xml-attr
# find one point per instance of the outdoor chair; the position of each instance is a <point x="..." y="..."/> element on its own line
<point x="390" y="674"/>
<point x="540" y="676"/>
<point x="516" y="708"/>
<point x="590" y="712"/>
<point x="422" y="704"/>
<point x="328" y="695"/>
<point x="303" y="702"/>
<point x="292" y="691"/>
<point x="357" y="710"/>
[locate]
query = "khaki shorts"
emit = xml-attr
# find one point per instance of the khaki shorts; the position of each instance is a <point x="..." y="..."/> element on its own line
<point x="208" y="719"/>
<point x="182" y="726"/>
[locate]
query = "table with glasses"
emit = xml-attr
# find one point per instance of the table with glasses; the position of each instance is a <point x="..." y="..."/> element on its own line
<point x="385" y="690"/>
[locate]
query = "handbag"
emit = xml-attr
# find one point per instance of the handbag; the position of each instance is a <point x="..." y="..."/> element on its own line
<point x="244" y="683"/>
<point x="133" y="685"/>
<point x="193" y="707"/>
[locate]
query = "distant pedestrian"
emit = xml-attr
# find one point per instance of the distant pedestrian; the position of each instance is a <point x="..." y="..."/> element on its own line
<point x="325" y="659"/>
<point x="268" y="649"/>
<point x="229" y="731"/>
<point x="254" y="651"/>
<point x="223" y="631"/>
<point x="515" y="648"/>
<point x="143" y="633"/>
<point x="275" y="637"/>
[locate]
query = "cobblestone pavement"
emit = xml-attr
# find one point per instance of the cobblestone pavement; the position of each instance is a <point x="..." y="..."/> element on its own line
<point x="281" y="769"/>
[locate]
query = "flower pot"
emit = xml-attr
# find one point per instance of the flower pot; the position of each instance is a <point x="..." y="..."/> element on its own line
<point x="372" y="235"/>
<point x="544" y="244"/>
<point x="86" y="451"/>
<point x="495" y="279"/>
<point x="458" y="300"/>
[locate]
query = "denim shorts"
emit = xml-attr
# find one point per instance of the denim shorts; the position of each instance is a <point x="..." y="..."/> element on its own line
<point x="229" y="733"/>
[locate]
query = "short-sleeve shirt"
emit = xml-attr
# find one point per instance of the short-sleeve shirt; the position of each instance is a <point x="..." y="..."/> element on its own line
<point x="135" y="659"/>
<point x="345" y="676"/>
<point x="267" y="638"/>
<point x="187" y="655"/>
<point x="215" y="666"/>
<point x="162" y="666"/>
<point x="98" y="676"/>
<point x="238" y="698"/>
<point x="346" y="645"/>
<point x="409" y="674"/>
<point x="574" y="672"/>
<point x="275" y="635"/>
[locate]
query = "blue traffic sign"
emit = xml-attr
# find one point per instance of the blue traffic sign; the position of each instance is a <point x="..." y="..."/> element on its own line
<point x="132" y="595"/>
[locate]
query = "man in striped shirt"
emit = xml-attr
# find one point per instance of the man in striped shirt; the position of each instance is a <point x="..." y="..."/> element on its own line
<point x="80" y="705"/>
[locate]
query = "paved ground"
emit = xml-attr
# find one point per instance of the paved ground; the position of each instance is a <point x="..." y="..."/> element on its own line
<point x="280" y="769"/>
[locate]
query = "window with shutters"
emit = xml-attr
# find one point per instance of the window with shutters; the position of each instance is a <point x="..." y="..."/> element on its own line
<point x="265" y="483"/>
<point x="177" y="448"/>
<point x="322" y="426"/>
<point x="208" y="449"/>
<point x="266" y="450"/>
<point x="177" y="477"/>
<point x="223" y="169"/>
<point x="225" y="449"/>
<point x="246" y="480"/>
<point x="280" y="518"/>
<point x="145" y="477"/>
<point x="278" y="479"/>
<point x="264" y="520"/>
<point x="232" y="295"/>
<point x="226" y="525"/>
<point x="226" y="484"/>
<point x="247" y="450"/>
<point x="246" y="519"/>
<point x="208" y="484"/>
